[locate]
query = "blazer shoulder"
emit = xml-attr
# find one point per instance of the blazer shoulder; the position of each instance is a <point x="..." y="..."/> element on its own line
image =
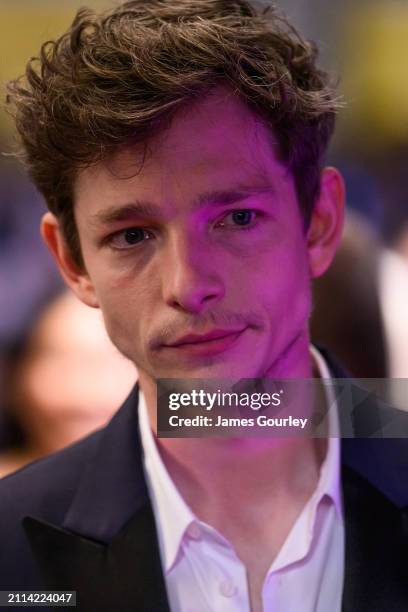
<point x="44" y="490"/>
<point x="46" y="486"/>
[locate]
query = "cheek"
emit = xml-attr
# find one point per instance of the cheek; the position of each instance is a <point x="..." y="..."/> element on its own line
<point x="281" y="283"/>
<point x="127" y="305"/>
<point x="122" y="319"/>
<point x="296" y="296"/>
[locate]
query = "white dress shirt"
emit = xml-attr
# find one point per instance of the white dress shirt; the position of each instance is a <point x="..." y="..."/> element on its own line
<point x="201" y="569"/>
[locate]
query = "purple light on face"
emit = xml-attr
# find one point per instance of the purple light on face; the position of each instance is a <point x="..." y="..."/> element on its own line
<point x="225" y="252"/>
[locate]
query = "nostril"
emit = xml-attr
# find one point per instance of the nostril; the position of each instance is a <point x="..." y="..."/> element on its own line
<point x="209" y="297"/>
<point x="194" y="303"/>
<point x="190" y="283"/>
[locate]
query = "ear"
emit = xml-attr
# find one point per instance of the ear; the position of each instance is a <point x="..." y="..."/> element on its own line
<point x="76" y="277"/>
<point x="326" y="224"/>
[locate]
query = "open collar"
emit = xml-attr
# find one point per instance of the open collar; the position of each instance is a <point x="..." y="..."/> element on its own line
<point x="107" y="547"/>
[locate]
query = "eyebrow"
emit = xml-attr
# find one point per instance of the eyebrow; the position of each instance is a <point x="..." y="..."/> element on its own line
<point x="139" y="209"/>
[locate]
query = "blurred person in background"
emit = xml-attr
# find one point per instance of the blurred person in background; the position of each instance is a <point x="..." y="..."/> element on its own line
<point x="64" y="380"/>
<point x="374" y="138"/>
<point x="392" y="170"/>
<point x="347" y="316"/>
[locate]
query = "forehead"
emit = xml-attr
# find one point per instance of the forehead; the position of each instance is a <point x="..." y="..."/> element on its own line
<point x="217" y="139"/>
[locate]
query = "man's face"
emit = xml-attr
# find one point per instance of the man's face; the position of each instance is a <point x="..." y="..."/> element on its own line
<point x="197" y="256"/>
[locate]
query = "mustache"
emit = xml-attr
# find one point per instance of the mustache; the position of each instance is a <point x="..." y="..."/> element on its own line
<point x="169" y="331"/>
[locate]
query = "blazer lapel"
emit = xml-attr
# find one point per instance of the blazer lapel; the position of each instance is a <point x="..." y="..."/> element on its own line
<point x="107" y="548"/>
<point x="375" y="559"/>
<point x="374" y="477"/>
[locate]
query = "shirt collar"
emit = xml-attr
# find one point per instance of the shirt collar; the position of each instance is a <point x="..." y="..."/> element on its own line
<point x="329" y="481"/>
<point x="174" y="516"/>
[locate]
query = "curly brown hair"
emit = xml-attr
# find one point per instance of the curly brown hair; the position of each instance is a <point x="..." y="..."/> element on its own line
<point x="119" y="76"/>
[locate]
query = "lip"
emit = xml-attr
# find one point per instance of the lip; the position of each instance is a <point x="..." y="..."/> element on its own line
<point x="215" y="341"/>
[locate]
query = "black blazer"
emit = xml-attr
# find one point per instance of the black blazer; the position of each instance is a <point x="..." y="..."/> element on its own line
<point x="81" y="520"/>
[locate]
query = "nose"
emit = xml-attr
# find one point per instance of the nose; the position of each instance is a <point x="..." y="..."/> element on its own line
<point x="191" y="281"/>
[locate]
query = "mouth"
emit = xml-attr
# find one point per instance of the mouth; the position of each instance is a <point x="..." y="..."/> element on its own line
<point x="203" y="344"/>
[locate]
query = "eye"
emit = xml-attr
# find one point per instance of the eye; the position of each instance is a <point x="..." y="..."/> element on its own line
<point x="238" y="218"/>
<point x="242" y="217"/>
<point x="128" y="238"/>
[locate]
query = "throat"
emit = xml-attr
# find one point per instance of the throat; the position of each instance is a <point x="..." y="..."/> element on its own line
<point x="250" y="490"/>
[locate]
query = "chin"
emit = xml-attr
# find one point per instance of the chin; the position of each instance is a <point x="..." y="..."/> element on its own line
<point x="206" y="371"/>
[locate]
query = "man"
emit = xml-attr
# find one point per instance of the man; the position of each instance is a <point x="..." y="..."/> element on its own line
<point x="179" y="146"/>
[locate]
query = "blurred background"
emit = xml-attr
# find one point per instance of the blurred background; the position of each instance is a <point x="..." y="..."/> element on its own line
<point x="360" y="307"/>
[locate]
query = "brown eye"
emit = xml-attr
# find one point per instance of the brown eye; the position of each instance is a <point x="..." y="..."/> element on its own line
<point x="134" y="235"/>
<point x="128" y="238"/>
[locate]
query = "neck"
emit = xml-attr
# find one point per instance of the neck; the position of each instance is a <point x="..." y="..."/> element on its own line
<point x="214" y="475"/>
